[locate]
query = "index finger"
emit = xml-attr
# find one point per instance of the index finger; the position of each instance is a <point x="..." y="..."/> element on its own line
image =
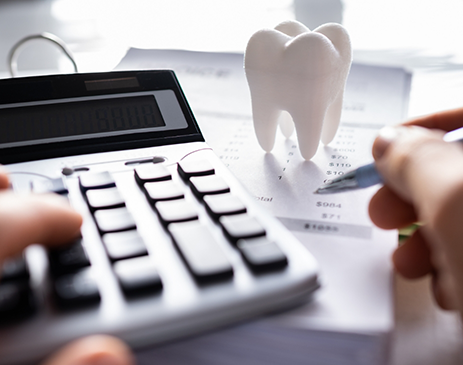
<point x="28" y="219"/>
<point x="447" y="120"/>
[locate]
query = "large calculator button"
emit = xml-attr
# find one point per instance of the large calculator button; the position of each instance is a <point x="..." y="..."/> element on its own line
<point x="223" y="204"/>
<point x="77" y="289"/>
<point x="56" y="186"/>
<point x="124" y="245"/>
<point x="114" y="220"/>
<point x="138" y="275"/>
<point x="187" y="169"/>
<point x="163" y="190"/>
<point x="202" y="253"/>
<point x="176" y="211"/>
<point x="262" y="254"/>
<point x="14" y="269"/>
<point x="208" y="185"/>
<point x="16" y="301"/>
<point x="151" y="173"/>
<point x="241" y="226"/>
<point x="104" y="199"/>
<point x="68" y="259"/>
<point x="100" y="180"/>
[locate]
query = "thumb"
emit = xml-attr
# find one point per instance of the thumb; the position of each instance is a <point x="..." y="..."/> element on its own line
<point x="419" y="166"/>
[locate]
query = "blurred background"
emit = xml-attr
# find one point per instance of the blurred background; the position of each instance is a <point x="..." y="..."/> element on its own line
<point x="421" y="35"/>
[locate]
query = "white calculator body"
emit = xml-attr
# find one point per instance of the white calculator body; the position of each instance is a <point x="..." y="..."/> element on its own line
<point x="171" y="245"/>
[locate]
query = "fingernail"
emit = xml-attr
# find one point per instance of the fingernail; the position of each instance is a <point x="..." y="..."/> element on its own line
<point x="385" y="136"/>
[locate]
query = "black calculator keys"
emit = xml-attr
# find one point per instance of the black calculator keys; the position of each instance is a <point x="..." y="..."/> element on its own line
<point x="124" y="245"/>
<point x="137" y="276"/>
<point x="68" y="259"/>
<point x="151" y="173"/>
<point x="223" y="204"/>
<point x="14" y="269"/>
<point x="76" y="290"/>
<point x="187" y="169"/>
<point x="114" y="220"/>
<point x="16" y="301"/>
<point x="207" y="185"/>
<point x="163" y="190"/>
<point x="241" y="226"/>
<point x="202" y="253"/>
<point x="261" y="254"/>
<point x="176" y="211"/>
<point x="99" y="180"/>
<point x="104" y="199"/>
<point x="16" y="297"/>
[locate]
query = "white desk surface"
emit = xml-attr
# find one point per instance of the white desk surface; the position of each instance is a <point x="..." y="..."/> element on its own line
<point x="417" y="35"/>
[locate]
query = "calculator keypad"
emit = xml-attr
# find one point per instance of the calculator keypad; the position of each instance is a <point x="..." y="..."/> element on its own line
<point x="176" y="204"/>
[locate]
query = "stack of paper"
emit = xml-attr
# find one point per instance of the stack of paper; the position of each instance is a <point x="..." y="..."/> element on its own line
<point x="351" y="318"/>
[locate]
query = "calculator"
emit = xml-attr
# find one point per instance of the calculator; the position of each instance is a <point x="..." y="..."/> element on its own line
<point x="171" y="244"/>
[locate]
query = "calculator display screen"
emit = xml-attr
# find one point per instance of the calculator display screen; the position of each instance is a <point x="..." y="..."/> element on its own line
<point x="53" y="116"/>
<point x="78" y="119"/>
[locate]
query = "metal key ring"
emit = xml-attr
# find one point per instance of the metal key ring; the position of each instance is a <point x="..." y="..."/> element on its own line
<point x="13" y="55"/>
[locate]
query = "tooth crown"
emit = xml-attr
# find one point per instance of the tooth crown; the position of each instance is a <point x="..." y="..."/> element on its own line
<point x="292" y="69"/>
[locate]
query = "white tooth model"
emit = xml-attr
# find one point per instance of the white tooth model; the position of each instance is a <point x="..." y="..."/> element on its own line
<point x="294" y="73"/>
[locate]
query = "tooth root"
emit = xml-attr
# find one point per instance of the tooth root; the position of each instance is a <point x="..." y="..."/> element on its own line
<point x="309" y="122"/>
<point x="332" y="119"/>
<point x="286" y="124"/>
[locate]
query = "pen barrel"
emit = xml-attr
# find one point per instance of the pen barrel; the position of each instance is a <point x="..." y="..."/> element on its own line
<point x="367" y="176"/>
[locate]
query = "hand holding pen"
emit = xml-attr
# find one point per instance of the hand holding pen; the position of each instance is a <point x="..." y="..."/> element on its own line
<point x="368" y="175"/>
<point x="423" y="182"/>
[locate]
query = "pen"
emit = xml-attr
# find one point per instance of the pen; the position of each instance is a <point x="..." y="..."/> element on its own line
<point x="367" y="175"/>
